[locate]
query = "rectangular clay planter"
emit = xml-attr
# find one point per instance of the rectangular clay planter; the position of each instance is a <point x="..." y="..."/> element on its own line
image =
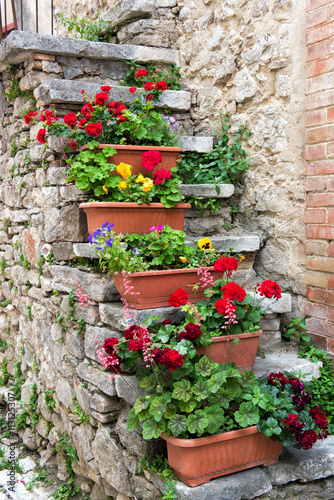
<point x="133" y="218"/>
<point x="223" y="351"/>
<point x="196" y="461"/>
<point x="155" y="287"/>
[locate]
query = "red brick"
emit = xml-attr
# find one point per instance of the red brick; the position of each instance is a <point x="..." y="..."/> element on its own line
<point x="316" y="232"/>
<point x="331" y="215"/>
<point x="320" y="296"/>
<point x="315" y="216"/>
<point x="331" y="346"/>
<point x="316" y="248"/>
<point x="316" y="310"/>
<point x="330" y="115"/>
<point x="330" y="251"/>
<point x="317" y="51"/>
<point x="315" y="4"/>
<point x="320" y="326"/>
<point x="330" y="232"/>
<point x="320" y="200"/>
<point x="320" y="167"/>
<point x="315" y="184"/>
<point x="331" y="283"/>
<point x="316" y="279"/>
<point x="330" y="149"/>
<point x="317" y="83"/>
<point x="320" y="264"/>
<point x="320" y="66"/>
<point x="321" y="33"/>
<point x="330" y="184"/>
<point x="320" y="100"/>
<point x="320" y="134"/>
<point x="331" y="314"/>
<point x="316" y="152"/>
<point x="316" y="17"/>
<point x="331" y="11"/>
<point x="317" y="117"/>
<point x="319" y="341"/>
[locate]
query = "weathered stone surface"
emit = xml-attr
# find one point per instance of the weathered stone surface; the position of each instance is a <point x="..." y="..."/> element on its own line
<point x="64" y="392"/>
<point x="101" y="379"/>
<point x="69" y="92"/>
<point x="33" y="79"/>
<point x="270" y="340"/>
<point x="281" y="305"/>
<point x="207" y="190"/>
<point x="127" y="388"/>
<point x="279" y="361"/>
<point x="245" y="243"/>
<point x="94" y="334"/>
<point x="240" y="486"/>
<point x="103" y="404"/>
<point x="149" y="32"/>
<point x="97" y="288"/>
<point x="246" y="86"/>
<point x="18" y="46"/>
<point x="197" y="143"/>
<point x="83" y="250"/>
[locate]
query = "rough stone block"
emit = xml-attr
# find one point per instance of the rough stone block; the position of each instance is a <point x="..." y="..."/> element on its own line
<point x="101" y="379"/>
<point x="127" y="388"/>
<point x="94" y="333"/>
<point x="62" y="250"/>
<point x="270" y="325"/>
<point x="83" y="250"/>
<point x="207" y="190"/>
<point x="201" y="144"/>
<point x="64" y="392"/>
<point x="35" y="78"/>
<point x="279" y="361"/>
<point x="103" y="404"/>
<point x="271" y="340"/>
<point x="281" y="305"/>
<point x="241" y="243"/>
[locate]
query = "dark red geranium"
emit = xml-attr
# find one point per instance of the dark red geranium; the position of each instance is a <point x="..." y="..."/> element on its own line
<point x="319" y="417"/>
<point x="178" y="298"/>
<point x="296" y="384"/>
<point x="87" y="109"/>
<point x="41" y="135"/>
<point x="94" y="129"/>
<point x="151" y="159"/>
<point x="105" y="88"/>
<point x="149" y="97"/>
<point x="30" y="116"/>
<point x="233" y="291"/>
<point x="172" y="359"/>
<point x="73" y="144"/>
<point x="277" y="378"/>
<point x="149" y="86"/>
<point x="132" y="90"/>
<point x="140" y="73"/>
<point x="112" y="362"/>
<point x="161" y="176"/>
<point x="191" y="332"/>
<point x="109" y="345"/>
<point x="166" y="322"/>
<point x="82" y="123"/>
<point x="270" y="289"/>
<point x="227" y="264"/>
<point x="162" y="85"/>
<point x="223" y="306"/>
<point x="71" y="120"/>
<point x="307" y="439"/>
<point x="101" y="99"/>
<point x="293" y="422"/>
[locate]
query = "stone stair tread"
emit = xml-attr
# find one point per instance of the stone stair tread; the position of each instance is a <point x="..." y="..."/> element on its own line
<point x="207" y="190"/>
<point x="125" y="10"/>
<point x="69" y="92"/>
<point x="242" y="243"/>
<point x="19" y="45"/>
<point x="280" y="360"/>
<point x="201" y="144"/>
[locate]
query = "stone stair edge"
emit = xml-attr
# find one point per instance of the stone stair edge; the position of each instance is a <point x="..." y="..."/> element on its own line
<point x="20" y="45"/>
<point x="126" y="10"/>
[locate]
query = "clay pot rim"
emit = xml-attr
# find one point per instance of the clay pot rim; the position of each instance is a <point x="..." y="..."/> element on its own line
<point x="124" y="147"/>
<point x="132" y="204"/>
<point x="207" y="440"/>
<point x="161" y="272"/>
<point x="226" y="338"/>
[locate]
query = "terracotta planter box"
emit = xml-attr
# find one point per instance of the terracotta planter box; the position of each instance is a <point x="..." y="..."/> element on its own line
<point x="154" y="288"/>
<point x="133" y="218"/>
<point x="132" y="155"/>
<point x="196" y="461"/>
<point x="223" y="351"/>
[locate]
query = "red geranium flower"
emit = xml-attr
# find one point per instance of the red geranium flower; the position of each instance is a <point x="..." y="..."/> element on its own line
<point x="233" y="291"/>
<point x="161" y="176"/>
<point x="319" y="417"/>
<point x="307" y="439"/>
<point x="109" y="345"/>
<point x="82" y="123"/>
<point x="222" y="305"/>
<point x="132" y="90"/>
<point x="149" y="86"/>
<point x="140" y="73"/>
<point x="41" y="136"/>
<point x="270" y="289"/>
<point x="191" y="332"/>
<point x="105" y="88"/>
<point x="277" y="377"/>
<point x="101" y="98"/>
<point x="87" y="109"/>
<point x="228" y="264"/>
<point x="73" y="144"/>
<point x="71" y="120"/>
<point x="151" y="159"/>
<point x="30" y="116"/>
<point x="172" y="359"/>
<point x="162" y="85"/>
<point x="149" y="97"/>
<point x="178" y="298"/>
<point x="94" y="129"/>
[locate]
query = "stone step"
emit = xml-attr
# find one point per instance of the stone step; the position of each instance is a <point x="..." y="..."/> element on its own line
<point x="280" y="360"/>
<point x="126" y="10"/>
<point x="20" y="45"/>
<point x="207" y="190"/>
<point x="69" y="92"/>
<point x="201" y="144"/>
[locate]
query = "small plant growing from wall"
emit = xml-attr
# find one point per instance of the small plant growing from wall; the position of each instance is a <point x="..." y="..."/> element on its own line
<point x="95" y="30"/>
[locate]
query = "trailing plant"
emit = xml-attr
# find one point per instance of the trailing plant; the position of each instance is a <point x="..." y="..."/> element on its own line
<point x="4" y="375"/>
<point x="6" y="225"/>
<point x="3" y="345"/>
<point x="18" y="378"/>
<point x="3" y="266"/>
<point x="29" y="411"/>
<point x="150" y="72"/>
<point x="78" y="411"/>
<point x="28" y="308"/>
<point x="200" y="204"/>
<point x="5" y="303"/>
<point x="41" y="476"/>
<point x="66" y="491"/>
<point x="70" y="452"/>
<point x="224" y="164"/>
<point x="159" y="466"/>
<point x="95" y="29"/>
<point x="296" y="330"/>
<point x="49" y="400"/>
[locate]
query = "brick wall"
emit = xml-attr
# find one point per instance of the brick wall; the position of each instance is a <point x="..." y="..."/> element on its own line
<point x="319" y="155"/>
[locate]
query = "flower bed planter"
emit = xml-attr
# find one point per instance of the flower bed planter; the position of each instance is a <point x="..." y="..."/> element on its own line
<point x="196" y="461"/>
<point x="223" y="351"/>
<point x="133" y="218"/>
<point x="154" y="288"/>
<point x="132" y="155"/>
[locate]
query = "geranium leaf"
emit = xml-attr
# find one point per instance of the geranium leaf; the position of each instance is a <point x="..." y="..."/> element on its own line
<point x="158" y="406"/>
<point x="201" y="390"/>
<point x="197" y="422"/>
<point x="248" y="379"/>
<point x="216" y="418"/>
<point x="109" y="151"/>
<point x="152" y="428"/>
<point x="177" y="424"/>
<point x="216" y="381"/>
<point x="188" y="406"/>
<point x="142" y="372"/>
<point x="182" y="390"/>
<point x="247" y="415"/>
<point x="148" y="383"/>
<point x="133" y="420"/>
<point x="141" y="404"/>
<point x="204" y="367"/>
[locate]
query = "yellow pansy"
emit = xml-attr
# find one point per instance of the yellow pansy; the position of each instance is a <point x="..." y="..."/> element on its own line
<point x="105" y="189"/>
<point x="241" y="257"/>
<point x="183" y="260"/>
<point x="124" y="170"/>
<point x="123" y="185"/>
<point x="147" y="186"/>
<point x="205" y="244"/>
<point x="140" y="178"/>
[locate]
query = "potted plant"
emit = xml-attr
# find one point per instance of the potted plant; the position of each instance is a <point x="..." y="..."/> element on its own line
<point x="215" y="419"/>
<point x="151" y="264"/>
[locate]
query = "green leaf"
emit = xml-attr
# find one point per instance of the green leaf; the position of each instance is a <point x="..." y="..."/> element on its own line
<point x="201" y="390"/>
<point x="216" y="381"/>
<point x="177" y="424"/>
<point x="182" y="390"/>
<point x="148" y="383"/>
<point x="204" y="367"/>
<point x="141" y="404"/>
<point x="109" y="151"/>
<point x="158" y="406"/>
<point x="197" y="422"/>
<point x="216" y="418"/>
<point x="188" y="406"/>
<point x="153" y="429"/>
<point x="247" y="415"/>
<point x="133" y="420"/>
<point x="248" y="379"/>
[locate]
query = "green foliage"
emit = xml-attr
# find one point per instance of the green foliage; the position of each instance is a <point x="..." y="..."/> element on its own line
<point x="3" y="266"/>
<point x="66" y="491"/>
<point x="28" y="308"/>
<point x="18" y="379"/>
<point x="95" y="30"/>
<point x="171" y="75"/>
<point x="24" y="261"/>
<point x="60" y="320"/>
<point x="14" y="89"/>
<point x="4" y="375"/>
<point x="35" y="367"/>
<point x="6" y="225"/>
<point x="41" y="476"/>
<point x="5" y="303"/>
<point x="200" y="204"/>
<point x="159" y="466"/>
<point x="70" y="452"/>
<point x="78" y="411"/>
<point x="3" y="345"/>
<point x="49" y="400"/>
<point x="29" y="411"/>
<point x="82" y="327"/>
<point x="297" y="329"/>
<point x="321" y="390"/>
<point x="71" y="300"/>
<point x="223" y="165"/>
<point x="6" y="464"/>
<point x="40" y="263"/>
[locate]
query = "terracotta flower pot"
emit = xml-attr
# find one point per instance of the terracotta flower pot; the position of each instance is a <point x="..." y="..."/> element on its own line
<point x="132" y="155"/>
<point x="153" y="288"/>
<point x="133" y="218"/>
<point x="223" y="351"/>
<point x="196" y="461"/>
